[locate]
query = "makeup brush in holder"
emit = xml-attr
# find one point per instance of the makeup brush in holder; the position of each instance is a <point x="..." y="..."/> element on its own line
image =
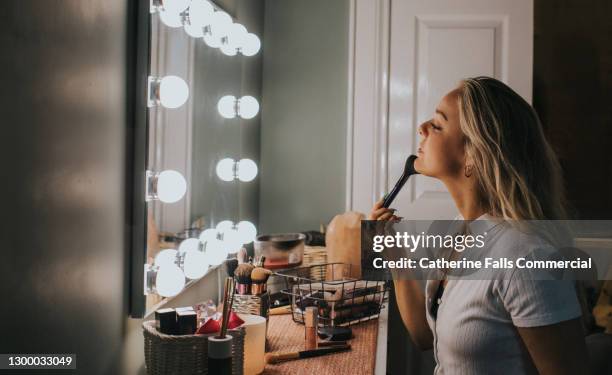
<point x="259" y="280"/>
<point x="242" y="274"/>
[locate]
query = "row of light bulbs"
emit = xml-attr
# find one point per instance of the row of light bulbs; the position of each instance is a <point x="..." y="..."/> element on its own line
<point x="202" y="19"/>
<point x="172" y="267"/>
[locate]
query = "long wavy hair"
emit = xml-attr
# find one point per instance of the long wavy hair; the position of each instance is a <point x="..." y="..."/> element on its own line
<point x="518" y="174"/>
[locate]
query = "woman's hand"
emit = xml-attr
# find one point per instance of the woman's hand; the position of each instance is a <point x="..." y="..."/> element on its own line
<point x="379" y="212"/>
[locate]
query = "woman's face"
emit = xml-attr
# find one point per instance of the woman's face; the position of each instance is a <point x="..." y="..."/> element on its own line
<point x="441" y="151"/>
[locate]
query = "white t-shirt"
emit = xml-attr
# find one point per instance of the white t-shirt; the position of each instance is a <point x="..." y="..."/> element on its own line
<point x="475" y="329"/>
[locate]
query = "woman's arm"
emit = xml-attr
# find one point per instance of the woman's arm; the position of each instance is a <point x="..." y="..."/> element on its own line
<point x="411" y="304"/>
<point x="557" y="348"/>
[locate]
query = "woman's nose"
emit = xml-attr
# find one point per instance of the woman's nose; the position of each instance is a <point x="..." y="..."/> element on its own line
<point x="422" y="129"/>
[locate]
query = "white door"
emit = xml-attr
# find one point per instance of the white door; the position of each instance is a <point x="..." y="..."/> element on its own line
<point x="407" y="55"/>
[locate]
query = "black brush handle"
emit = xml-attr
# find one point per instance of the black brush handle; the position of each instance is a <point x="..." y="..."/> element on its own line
<point x="408" y="171"/>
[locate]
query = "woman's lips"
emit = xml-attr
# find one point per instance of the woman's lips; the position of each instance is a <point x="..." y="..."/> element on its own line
<point x="420" y="150"/>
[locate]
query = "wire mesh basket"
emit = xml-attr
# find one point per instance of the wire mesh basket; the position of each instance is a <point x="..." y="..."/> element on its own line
<point x="340" y="299"/>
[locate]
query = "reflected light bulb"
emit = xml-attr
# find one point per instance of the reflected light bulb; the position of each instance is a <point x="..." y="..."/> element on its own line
<point x="171" y="186"/>
<point x="247" y="170"/>
<point x="194" y="31"/>
<point x="200" y="13"/>
<point x="189" y="244"/>
<point x="220" y="23"/>
<point x="250" y="45"/>
<point x="166" y="257"/>
<point x="215" y="252"/>
<point x="195" y="264"/>
<point x="169" y="281"/>
<point x="173" y="92"/>
<point x="207" y="235"/>
<point x="227" y="106"/>
<point x="225" y="169"/>
<point x="248" y="107"/>
<point x="232" y="241"/>
<point x="237" y="35"/>
<point x="246" y="231"/>
<point x="171" y="19"/>
<point x="224" y="226"/>
<point x="228" y="49"/>
<point x="175" y="6"/>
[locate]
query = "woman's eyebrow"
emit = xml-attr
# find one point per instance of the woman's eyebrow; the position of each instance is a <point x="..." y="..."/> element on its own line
<point x="441" y="113"/>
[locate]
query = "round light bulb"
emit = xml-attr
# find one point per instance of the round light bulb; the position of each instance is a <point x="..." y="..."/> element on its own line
<point x="216" y="252"/>
<point x="228" y="50"/>
<point x="166" y="257"/>
<point x="224" y="226"/>
<point x="247" y="170"/>
<point x="225" y="169"/>
<point x="175" y="6"/>
<point x="247" y="231"/>
<point x="171" y="19"/>
<point x="227" y="106"/>
<point x="237" y="35"/>
<point x="248" y="107"/>
<point x="195" y="264"/>
<point x="200" y="13"/>
<point x="189" y="244"/>
<point x="207" y="235"/>
<point x="220" y="23"/>
<point x="173" y="92"/>
<point x="232" y="241"/>
<point x="250" y="45"/>
<point x="169" y="281"/>
<point x="194" y="31"/>
<point x="171" y="186"/>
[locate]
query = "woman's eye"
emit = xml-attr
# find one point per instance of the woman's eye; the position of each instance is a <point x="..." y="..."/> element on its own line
<point x="434" y="126"/>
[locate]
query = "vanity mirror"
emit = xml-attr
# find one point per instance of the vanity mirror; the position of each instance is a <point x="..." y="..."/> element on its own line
<point x="243" y="137"/>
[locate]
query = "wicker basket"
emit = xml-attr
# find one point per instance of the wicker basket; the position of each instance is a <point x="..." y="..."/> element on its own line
<point x="185" y="354"/>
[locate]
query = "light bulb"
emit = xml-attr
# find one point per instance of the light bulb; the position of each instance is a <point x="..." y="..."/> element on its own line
<point x="237" y="35"/>
<point x="250" y="45"/>
<point x="232" y="241"/>
<point x="215" y="252"/>
<point x="248" y="107"/>
<point x="207" y="235"/>
<point x="200" y="13"/>
<point x="220" y="23"/>
<point x="224" y="226"/>
<point x="246" y="231"/>
<point x="175" y="6"/>
<point x="225" y="169"/>
<point x="171" y="19"/>
<point x="247" y="170"/>
<point x="169" y="281"/>
<point x="227" y="106"/>
<point x="228" y="49"/>
<point x="173" y="92"/>
<point x="171" y="186"/>
<point x="194" y="31"/>
<point x="189" y="244"/>
<point x="166" y="257"/>
<point x="195" y="264"/>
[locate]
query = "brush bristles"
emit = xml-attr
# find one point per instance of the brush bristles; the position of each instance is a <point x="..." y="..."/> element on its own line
<point x="260" y="275"/>
<point x="243" y="273"/>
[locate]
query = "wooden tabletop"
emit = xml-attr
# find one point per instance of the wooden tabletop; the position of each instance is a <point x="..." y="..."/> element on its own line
<point x="285" y="335"/>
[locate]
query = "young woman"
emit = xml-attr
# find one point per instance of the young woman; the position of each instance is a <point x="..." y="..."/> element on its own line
<point x="486" y="144"/>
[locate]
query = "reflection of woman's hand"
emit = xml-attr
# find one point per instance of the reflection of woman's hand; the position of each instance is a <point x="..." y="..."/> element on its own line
<point x="379" y="212"/>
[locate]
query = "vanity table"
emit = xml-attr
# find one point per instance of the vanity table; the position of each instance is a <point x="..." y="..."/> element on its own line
<point x="368" y="354"/>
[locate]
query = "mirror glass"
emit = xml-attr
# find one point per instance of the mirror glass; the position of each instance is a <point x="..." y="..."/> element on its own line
<point x="249" y="107"/>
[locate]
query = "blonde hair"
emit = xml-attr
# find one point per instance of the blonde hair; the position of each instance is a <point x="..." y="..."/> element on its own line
<point x="518" y="174"/>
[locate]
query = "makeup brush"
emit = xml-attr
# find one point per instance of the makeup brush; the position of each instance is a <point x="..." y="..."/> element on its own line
<point x="408" y="171"/>
<point x="230" y="266"/>
<point x="288" y="356"/>
<point x="259" y="279"/>
<point x="243" y="278"/>
<point x="228" y="301"/>
<point x="242" y="255"/>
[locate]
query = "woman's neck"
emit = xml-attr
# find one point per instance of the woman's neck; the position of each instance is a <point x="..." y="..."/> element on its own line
<point x="465" y="194"/>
